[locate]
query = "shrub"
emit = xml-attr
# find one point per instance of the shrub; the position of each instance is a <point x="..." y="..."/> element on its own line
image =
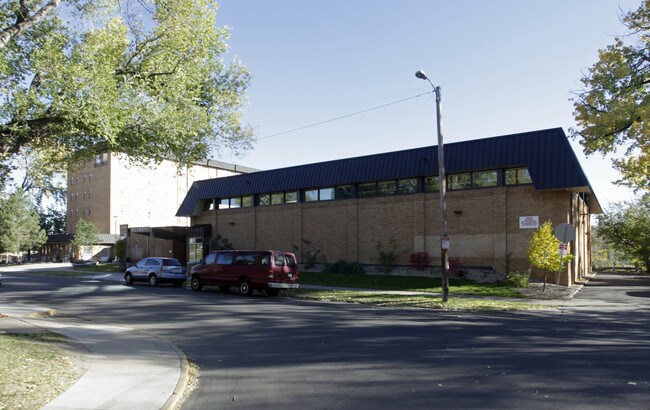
<point x="387" y="255"/>
<point x="354" y="268"/>
<point x="420" y="260"/>
<point x="455" y="267"/>
<point x="517" y="280"/>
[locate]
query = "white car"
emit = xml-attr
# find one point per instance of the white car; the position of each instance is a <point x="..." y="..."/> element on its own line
<point x="156" y="271"/>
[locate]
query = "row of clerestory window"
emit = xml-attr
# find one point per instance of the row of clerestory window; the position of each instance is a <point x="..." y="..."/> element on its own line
<point x="455" y="182"/>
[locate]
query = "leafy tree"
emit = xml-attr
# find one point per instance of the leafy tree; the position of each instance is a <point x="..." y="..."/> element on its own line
<point x="86" y="234"/>
<point x="626" y="226"/>
<point x="613" y="109"/>
<point x="543" y="250"/>
<point x="19" y="224"/>
<point x="53" y="221"/>
<point x="120" y="253"/>
<point x="141" y="77"/>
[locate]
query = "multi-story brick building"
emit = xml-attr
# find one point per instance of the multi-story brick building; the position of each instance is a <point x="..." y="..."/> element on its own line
<point x="113" y="194"/>
<point x="499" y="189"/>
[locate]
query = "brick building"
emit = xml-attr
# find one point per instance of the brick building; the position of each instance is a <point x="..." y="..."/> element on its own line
<point x="498" y="190"/>
<point x="114" y="194"/>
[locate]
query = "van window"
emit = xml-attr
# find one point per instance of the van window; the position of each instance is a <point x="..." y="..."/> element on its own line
<point x="209" y="260"/>
<point x="247" y="258"/>
<point x="224" y="258"/>
<point x="279" y="259"/>
<point x="265" y="260"/>
<point x="291" y="261"/>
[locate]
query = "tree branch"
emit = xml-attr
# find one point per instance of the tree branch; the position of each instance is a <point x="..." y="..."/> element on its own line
<point x="24" y="21"/>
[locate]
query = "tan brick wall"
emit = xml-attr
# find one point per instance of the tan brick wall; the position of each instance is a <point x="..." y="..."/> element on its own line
<point x="484" y="228"/>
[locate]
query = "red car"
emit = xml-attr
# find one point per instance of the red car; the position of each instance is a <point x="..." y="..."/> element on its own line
<point x="269" y="271"/>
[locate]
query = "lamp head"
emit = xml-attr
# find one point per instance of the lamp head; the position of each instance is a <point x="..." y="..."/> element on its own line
<point x="420" y="74"/>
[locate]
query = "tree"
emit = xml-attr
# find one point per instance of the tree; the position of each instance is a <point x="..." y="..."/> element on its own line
<point x="86" y="234"/>
<point x="19" y="224"/>
<point x="53" y="221"/>
<point x="626" y="226"/>
<point x="613" y="108"/>
<point x="543" y="250"/>
<point x="141" y="77"/>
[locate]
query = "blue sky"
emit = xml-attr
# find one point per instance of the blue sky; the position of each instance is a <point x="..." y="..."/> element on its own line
<point x="504" y="66"/>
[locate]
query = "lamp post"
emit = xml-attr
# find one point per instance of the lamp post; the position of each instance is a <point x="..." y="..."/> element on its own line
<point x="442" y="181"/>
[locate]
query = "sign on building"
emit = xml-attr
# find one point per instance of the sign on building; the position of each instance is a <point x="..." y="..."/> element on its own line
<point x="528" y="222"/>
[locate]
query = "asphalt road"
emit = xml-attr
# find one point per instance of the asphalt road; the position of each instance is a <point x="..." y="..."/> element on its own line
<point x="263" y="352"/>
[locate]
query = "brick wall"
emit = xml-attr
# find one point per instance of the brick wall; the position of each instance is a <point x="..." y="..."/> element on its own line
<point x="483" y="225"/>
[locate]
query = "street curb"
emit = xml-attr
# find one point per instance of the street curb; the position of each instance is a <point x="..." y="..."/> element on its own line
<point x="43" y="314"/>
<point x="183" y="380"/>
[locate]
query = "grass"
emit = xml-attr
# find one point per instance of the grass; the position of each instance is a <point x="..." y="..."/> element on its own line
<point x="487" y="296"/>
<point x="408" y="283"/>
<point x="35" y="369"/>
<point x="419" y="301"/>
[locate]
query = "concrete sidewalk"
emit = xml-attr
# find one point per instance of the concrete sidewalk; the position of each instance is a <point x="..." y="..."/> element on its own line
<point x="127" y="368"/>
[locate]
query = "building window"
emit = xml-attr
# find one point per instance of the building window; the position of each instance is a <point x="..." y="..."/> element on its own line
<point x="311" y="195"/>
<point x="484" y="179"/>
<point x="224" y="203"/>
<point x="407" y="186"/>
<point x="264" y="199"/>
<point x="326" y="194"/>
<point x="386" y="187"/>
<point x="431" y="184"/>
<point x="291" y="197"/>
<point x="368" y="189"/>
<point x="343" y="191"/>
<point x="322" y="194"/>
<point x="101" y="159"/>
<point x="235" y="202"/>
<point x="277" y="198"/>
<point x="459" y="181"/>
<point x="247" y="201"/>
<point x="518" y="176"/>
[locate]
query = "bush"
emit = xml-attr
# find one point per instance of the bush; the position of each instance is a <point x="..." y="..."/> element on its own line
<point x="345" y="268"/>
<point x="420" y="260"/>
<point x="387" y="254"/>
<point x="455" y="267"/>
<point x="517" y="280"/>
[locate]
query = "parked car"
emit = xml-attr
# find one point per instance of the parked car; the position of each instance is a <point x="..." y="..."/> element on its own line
<point x="156" y="271"/>
<point x="267" y="271"/>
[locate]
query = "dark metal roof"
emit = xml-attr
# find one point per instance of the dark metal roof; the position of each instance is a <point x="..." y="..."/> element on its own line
<point x="547" y="154"/>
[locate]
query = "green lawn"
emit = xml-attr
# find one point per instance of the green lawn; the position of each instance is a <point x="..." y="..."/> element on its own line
<point x="408" y="283"/>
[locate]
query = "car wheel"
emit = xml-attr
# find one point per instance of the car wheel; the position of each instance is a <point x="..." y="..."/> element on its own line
<point x="128" y="279"/>
<point x="224" y="289"/>
<point x="196" y="284"/>
<point x="153" y="280"/>
<point x="272" y="292"/>
<point x="245" y="288"/>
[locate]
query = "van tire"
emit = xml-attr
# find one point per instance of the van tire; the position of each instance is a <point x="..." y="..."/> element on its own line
<point x="196" y="284"/>
<point x="245" y="287"/>
<point x="224" y="289"/>
<point x="272" y="292"/>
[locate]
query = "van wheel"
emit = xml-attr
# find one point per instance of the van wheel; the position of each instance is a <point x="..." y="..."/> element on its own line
<point x="272" y="292"/>
<point x="196" y="284"/>
<point x="128" y="279"/>
<point x="224" y="289"/>
<point x="245" y="288"/>
<point x="153" y="280"/>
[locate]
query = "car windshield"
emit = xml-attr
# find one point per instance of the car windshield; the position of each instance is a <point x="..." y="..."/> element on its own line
<point x="171" y="262"/>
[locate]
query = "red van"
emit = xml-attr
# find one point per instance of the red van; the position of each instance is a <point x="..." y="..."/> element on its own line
<point x="269" y="271"/>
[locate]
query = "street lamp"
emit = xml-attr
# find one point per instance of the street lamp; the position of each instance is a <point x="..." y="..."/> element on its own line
<point x="442" y="181"/>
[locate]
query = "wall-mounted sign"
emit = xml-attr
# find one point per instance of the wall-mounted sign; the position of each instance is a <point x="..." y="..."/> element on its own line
<point x="528" y="222"/>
